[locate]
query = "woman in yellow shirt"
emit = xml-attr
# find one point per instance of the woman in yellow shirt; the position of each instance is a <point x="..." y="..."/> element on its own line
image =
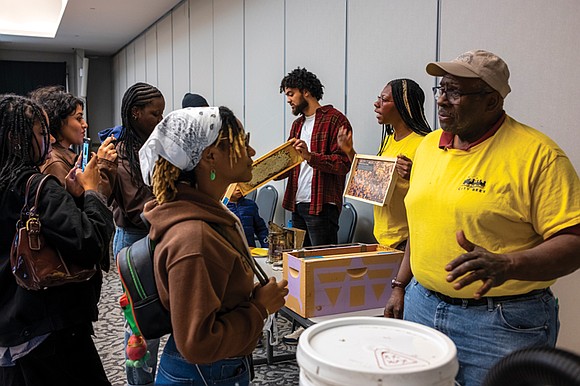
<point x="400" y="110"/>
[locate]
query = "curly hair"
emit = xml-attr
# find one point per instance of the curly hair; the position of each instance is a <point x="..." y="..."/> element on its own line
<point x="409" y="100"/>
<point x="58" y="105"/>
<point x="138" y="95"/>
<point x="303" y="79"/>
<point x="17" y="118"/>
<point x="166" y="175"/>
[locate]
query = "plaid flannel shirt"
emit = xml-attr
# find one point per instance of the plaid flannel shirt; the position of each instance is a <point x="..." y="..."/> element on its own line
<point x="329" y="163"/>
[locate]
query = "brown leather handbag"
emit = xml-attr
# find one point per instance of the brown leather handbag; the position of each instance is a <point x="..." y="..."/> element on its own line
<point x="35" y="263"/>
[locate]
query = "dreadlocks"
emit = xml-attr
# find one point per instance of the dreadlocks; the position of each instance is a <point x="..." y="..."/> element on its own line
<point x="303" y="79"/>
<point x="138" y="95"/>
<point x="165" y="174"/>
<point x="17" y="118"/>
<point x="58" y="105"/>
<point x="232" y="134"/>
<point x="409" y="99"/>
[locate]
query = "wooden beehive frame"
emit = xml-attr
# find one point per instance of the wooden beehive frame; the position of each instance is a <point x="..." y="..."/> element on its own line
<point x="271" y="165"/>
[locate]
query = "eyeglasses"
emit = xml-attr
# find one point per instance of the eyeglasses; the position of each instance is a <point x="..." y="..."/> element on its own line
<point x="453" y="95"/>
<point x="247" y="140"/>
<point x="381" y="99"/>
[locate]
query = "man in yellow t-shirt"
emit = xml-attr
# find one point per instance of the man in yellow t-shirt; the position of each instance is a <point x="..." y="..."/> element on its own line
<point x="494" y="219"/>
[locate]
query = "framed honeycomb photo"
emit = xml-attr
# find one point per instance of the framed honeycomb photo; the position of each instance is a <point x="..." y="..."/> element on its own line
<point x="372" y="179"/>
<point x="270" y="166"/>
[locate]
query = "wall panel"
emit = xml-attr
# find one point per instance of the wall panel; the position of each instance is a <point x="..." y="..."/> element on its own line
<point x="165" y="61"/>
<point x="140" y="60"/>
<point x="201" y="48"/>
<point x="117" y="90"/>
<point x="228" y="59"/>
<point x="180" y="53"/>
<point x="319" y="44"/>
<point x="130" y="49"/>
<point x="151" y="55"/>
<point x="264" y="68"/>
<point x="122" y="74"/>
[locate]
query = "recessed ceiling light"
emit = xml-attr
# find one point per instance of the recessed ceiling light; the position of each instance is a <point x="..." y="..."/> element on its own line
<point x="38" y="18"/>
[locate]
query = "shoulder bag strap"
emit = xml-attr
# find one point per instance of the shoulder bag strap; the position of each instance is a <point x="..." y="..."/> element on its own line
<point x="38" y="190"/>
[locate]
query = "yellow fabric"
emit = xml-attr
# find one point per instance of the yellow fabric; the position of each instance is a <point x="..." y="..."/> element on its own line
<point x="259" y="251"/>
<point x="508" y="193"/>
<point x="391" y="220"/>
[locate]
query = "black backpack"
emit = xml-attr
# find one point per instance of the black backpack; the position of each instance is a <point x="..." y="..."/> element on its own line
<point x="135" y="266"/>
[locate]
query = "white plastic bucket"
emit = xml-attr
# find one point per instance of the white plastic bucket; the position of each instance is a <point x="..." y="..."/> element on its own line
<point x="375" y="351"/>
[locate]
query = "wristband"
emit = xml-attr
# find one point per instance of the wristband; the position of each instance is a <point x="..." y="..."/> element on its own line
<point x="397" y="284"/>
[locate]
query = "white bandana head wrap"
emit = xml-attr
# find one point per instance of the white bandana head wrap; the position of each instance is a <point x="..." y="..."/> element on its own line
<point x="180" y="138"/>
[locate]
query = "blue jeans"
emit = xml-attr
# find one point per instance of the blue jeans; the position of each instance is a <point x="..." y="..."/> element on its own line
<point x="487" y="333"/>
<point x="321" y="229"/>
<point x="136" y="376"/>
<point x="174" y="369"/>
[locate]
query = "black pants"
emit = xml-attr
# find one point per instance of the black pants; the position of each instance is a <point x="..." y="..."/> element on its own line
<point x="321" y="229"/>
<point x="66" y="358"/>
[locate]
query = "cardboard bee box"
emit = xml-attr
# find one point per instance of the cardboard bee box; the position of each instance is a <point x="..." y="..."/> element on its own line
<point x="341" y="279"/>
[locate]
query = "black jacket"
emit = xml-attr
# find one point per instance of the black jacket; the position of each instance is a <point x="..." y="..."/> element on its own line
<point x="78" y="233"/>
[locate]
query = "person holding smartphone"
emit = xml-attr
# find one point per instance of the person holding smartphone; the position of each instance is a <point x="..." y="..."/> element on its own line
<point x="45" y="336"/>
<point x="68" y="126"/>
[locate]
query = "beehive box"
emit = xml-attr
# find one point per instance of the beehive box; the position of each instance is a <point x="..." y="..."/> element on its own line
<point x="342" y="279"/>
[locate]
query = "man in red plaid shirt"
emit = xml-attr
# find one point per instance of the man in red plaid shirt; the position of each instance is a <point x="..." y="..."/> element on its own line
<point x="315" y="187"/>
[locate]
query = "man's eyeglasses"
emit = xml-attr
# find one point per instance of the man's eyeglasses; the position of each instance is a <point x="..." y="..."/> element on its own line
<point x="453" y="95"/>
<point x="247" y="139"/>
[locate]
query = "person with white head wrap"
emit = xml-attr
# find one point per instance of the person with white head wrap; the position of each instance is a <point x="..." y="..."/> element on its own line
<point x="203" y="270"/>
<point x="180" y="138"/>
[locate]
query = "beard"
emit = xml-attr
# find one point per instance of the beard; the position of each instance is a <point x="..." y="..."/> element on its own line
<point x="298" y="109"/>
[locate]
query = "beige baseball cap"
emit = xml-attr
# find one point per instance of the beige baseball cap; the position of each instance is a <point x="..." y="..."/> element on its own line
<point x="476" y="64"/>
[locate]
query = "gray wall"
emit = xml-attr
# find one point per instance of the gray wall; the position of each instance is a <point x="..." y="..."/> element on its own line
<point x="235" y="52"/>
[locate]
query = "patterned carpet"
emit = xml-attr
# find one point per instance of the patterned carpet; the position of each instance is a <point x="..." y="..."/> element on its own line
<point x="109" y="341"/>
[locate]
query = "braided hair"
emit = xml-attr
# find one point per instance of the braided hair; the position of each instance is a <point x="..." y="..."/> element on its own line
<point x="302" y="79"/>
<point x="17" y="140"/>
<point x="409" y="99"/>
<point x="58" y="105"/>
<point x="166" y="175"/>
<point x="138" y="95"/>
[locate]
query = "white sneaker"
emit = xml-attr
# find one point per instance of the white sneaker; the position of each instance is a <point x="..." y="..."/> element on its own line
<point x="293" y="337"/>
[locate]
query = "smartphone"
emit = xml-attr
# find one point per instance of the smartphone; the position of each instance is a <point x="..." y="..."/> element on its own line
<point x="86" y="153"/>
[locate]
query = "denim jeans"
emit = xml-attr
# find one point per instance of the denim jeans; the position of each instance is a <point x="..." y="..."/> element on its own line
<point x="485" y="334"/>
<point x="136" y="376"/>
<point x="321" y="229"/>
<point x="174" y="369"/>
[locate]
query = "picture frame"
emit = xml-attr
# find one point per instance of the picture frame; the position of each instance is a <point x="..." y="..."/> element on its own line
<point x="372" y="179"/>
<point x="271" y="165"/>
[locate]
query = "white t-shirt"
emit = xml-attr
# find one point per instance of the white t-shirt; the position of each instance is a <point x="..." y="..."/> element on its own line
<point x="305" y="178"/>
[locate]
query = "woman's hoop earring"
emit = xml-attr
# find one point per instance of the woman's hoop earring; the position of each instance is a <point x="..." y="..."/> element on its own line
<point x="212" y="174"/>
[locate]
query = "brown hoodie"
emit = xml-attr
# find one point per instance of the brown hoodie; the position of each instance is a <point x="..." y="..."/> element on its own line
<point x="203" y="281"/>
